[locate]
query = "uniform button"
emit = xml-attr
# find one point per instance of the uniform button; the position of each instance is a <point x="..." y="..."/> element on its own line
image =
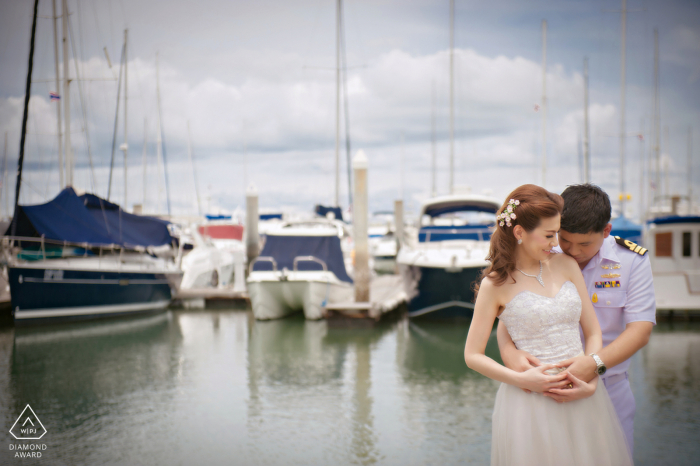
<point x="608" y="302"/>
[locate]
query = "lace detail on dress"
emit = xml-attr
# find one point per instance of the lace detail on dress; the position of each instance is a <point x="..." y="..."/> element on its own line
<point x="547" y="328"/>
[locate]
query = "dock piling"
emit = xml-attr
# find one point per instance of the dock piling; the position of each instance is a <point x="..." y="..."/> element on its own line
<point x="398" y="222"/>
<point x="360" y="221"/>
<point x="252" y="239"/>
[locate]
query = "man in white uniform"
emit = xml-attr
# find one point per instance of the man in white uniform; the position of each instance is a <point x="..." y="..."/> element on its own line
<point x="619" y="282"/>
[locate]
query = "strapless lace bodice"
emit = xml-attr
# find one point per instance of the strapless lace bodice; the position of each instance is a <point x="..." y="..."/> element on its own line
<point x="547" y="328"/>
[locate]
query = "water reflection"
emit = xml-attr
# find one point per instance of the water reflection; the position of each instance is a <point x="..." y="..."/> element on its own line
<point x="81" y="377"/>
<point x="666" y="384"/>
<point x="215" y="387"/>
<point x="303" y="372"/>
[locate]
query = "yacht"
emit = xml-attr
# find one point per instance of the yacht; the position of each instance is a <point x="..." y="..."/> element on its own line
<point x="440" y="264"/>
<point x="674" y="252"/>
<point x="301" y="268"/>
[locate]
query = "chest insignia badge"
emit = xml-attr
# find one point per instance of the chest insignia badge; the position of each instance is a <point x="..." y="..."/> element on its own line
<point x="617" y="266"/>
<point x="610" y="275"/>
<point x="606" y="267"/>
<point x="594" y="298"/>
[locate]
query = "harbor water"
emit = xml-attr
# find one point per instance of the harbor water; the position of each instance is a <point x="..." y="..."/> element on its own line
<point x="217" y="387"/>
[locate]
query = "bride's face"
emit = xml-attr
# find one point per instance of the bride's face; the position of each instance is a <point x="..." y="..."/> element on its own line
<point x="539" y="242"/>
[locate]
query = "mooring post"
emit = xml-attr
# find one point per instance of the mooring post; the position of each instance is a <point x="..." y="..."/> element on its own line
<point x="398" y="223"/>
<point x="252" y="239"/>
<point x="360" y="220"/>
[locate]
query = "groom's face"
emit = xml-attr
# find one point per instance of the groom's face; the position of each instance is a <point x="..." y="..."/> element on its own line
<point x="582" y="247"/>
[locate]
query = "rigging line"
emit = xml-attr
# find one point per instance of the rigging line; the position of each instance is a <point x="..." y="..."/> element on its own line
<point x="82" y="106"/>
<point x="116" y="121"/>
<point x="27" y="94"/>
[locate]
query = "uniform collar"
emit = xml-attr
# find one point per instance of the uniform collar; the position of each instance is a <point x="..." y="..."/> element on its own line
<point x="605" y="253"/>
<point x="607" y="250"/>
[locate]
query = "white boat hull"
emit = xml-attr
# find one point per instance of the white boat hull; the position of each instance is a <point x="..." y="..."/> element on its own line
<point x="274" y="295"/>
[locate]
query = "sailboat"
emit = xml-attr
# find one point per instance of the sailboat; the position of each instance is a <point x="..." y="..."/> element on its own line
<point x="80" y="256"/>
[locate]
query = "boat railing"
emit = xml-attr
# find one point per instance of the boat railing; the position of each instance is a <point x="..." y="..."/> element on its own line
<point x="309" y="259"/>
<point x="13" y="246"/>
<point x="263" y="259"/>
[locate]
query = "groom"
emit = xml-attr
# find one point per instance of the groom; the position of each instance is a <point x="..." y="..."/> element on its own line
<point x="618" y="277"/>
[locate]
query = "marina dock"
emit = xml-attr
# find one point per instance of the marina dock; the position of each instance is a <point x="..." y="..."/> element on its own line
<point x="386" y="294"/>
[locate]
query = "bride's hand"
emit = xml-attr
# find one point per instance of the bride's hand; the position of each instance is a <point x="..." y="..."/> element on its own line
<point x="536" y="380"/>
<point x="579" y="389"/>
<point x="519" y="361"/>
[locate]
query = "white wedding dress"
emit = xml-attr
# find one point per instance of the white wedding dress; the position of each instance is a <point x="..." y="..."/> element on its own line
<point x="531" y="429"/>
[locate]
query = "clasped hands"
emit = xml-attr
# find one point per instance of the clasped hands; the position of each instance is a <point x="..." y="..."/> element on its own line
<point x="578" y="379"/>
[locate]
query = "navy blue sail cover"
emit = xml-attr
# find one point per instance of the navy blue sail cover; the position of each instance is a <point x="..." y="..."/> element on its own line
<point x="285" y="248"/>
<point x="88" y="219"/>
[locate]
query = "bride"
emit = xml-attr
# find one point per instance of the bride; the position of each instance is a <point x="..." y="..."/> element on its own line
<point x="541" y="298"/>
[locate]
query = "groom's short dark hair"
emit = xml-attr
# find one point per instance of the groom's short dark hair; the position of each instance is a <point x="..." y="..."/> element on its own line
<point x="586" y="209"/>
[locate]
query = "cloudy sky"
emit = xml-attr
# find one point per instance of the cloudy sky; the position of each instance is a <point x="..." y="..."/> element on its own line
<point x="256" y="83"/>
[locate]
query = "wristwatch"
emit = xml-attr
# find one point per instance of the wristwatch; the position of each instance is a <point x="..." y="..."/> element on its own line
<point x="600" y="365"/>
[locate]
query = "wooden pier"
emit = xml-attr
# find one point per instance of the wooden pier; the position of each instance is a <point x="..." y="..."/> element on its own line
<point x="199" y="298"/>
<point x="386" y="294"/>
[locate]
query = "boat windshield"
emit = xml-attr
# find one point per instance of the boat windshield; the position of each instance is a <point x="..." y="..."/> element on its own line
<point x="460" y="219"/>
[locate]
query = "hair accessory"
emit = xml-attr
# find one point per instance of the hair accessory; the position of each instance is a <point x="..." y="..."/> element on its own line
<point x="508" y="214"/>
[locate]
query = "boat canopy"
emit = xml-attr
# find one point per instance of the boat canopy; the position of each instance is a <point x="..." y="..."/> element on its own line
<point x="89" y="219"/>
<point x="284" y="248"/>
<point x="323" y="210"/>
<point x="466" y="203"/>
<point x="675" y="219"/>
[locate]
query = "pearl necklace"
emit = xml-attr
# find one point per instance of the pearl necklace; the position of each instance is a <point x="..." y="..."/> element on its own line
<point x="537" y="277"/>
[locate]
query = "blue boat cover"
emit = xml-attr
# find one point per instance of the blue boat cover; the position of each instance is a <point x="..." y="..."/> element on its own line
<point x="217" y="217"/>
<point x="323" y="210"/>
<point x="285" y="248"/>
<point x="626" y="229"/>
<point x="89" y="219"/>
<point x="270" y="216"/>
<point x="676" y="219"/>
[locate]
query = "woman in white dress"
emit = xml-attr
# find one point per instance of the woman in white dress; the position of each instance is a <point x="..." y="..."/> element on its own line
<point x="542" y="299"/>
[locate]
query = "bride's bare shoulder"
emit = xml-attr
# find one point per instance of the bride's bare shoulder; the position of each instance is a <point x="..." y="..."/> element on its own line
<point x="562" y="262"/>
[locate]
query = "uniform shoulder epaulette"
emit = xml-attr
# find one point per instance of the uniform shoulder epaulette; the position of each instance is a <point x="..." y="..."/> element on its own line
<point x="634" y="247"/>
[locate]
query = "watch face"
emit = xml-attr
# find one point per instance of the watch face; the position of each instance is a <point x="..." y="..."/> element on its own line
<point x="601" y="370"/>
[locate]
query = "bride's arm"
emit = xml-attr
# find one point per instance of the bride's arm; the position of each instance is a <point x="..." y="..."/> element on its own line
<point x="485" y="312"/>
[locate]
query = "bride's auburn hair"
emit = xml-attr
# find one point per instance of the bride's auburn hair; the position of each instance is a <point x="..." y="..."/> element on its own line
<point x="535" y="203"/>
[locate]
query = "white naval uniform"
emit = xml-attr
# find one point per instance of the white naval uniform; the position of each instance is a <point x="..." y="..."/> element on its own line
<point x="616" y="306"/>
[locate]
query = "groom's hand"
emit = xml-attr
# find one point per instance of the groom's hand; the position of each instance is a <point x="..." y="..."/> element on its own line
<point x="582" y="367"/>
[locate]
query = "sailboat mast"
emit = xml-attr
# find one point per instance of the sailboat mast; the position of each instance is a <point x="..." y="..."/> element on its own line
<point x="339" y="6"/>
<point x="125" y="146"/>
<point x="145" y="146"/>
<point x="66" y="97"/>
<point x="657" y="120"/>
<point x="4" y="191"/>
<point x="433" y="189"/>
<point x="690" y="171"/>
<point x="59" y="124"/>
<point x="23" y="137"/>
<point x="544" y="103"/>
<point x="452" y="100"/>
<point x="586" y="133"/>
<point x="623" y="196"/>
<point x="161" y="144"/>
<point x="194" y="172"/>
